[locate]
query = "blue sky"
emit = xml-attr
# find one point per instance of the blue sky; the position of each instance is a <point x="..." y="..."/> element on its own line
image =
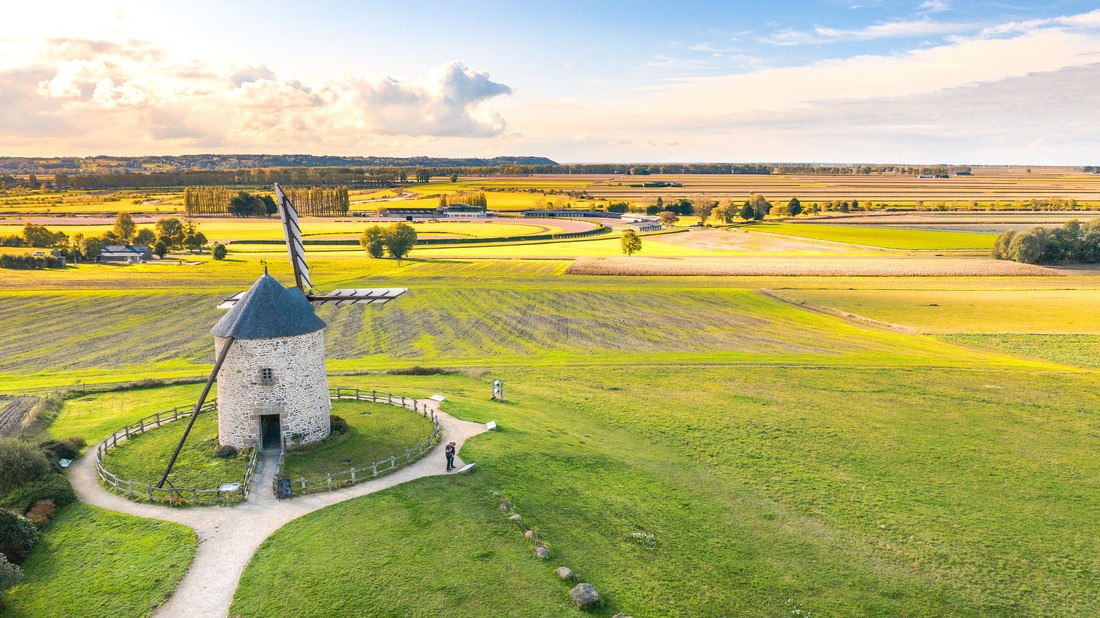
<point x="829" y="81"/>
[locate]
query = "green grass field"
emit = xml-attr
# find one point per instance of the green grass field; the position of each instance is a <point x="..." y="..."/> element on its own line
<point x="93" y="562"/>
<point x="144" y="457"/>
<point x="376" y="431"/>
<point x="887" y="238"/>
<point x="971" y="311"/>
<point x="941" y="493"/>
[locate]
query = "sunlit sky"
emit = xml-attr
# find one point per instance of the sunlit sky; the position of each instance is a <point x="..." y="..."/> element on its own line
<point x="939" y="81"/>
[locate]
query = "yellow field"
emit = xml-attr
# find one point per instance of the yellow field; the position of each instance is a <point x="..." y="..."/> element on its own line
<point x="270" y="229"/>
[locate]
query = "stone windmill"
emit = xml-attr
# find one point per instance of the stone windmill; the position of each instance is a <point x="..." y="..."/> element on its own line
<point x="270" y="349"/>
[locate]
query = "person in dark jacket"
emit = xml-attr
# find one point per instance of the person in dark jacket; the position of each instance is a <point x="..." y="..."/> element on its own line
<point x="450" y="453"/>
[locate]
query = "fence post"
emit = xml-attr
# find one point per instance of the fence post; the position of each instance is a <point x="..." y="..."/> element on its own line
<point x="374" y="395"/>
<point x="389" y="397"/>
<point x="127" y="428"/>
<point x="353" y="476"/>
<point x="330" y="481"/>
<point x="357" y="393"/>
<point x="158" y="419"/>
<point x="374" y="469"/>
<point x="141" y="425"/>
<point x="149" y="488"/>
<point x="402" y="401"/>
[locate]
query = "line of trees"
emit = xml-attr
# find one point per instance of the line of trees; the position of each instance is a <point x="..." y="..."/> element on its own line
<point x="1073" y="243"/>
<point x="206" y="200"/>
<point x="319" y="201"/>
<point x="167" y="234"/>
<point x="469" y="199"/>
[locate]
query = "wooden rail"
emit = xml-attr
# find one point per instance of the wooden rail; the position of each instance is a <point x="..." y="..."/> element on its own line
<point x="382" y="467"/>
<point x="173" y="495"/>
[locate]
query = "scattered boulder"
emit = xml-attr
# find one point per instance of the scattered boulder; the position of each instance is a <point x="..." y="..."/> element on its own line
<point x="566" y="573"/>
<point x="542" y="552"/>
<point x="531" y="534"/>
<point x="505" y="506"/>
<point x="584" y="595"/>
<point x="497" y="495"/>
<point x="516" y="517"/>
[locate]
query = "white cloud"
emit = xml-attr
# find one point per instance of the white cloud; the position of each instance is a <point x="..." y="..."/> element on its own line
<point x="934" y="6"/>
<point x="129" y="97"/>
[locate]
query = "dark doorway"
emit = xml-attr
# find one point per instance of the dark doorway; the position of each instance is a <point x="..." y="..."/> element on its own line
<point x="271" y="432"/>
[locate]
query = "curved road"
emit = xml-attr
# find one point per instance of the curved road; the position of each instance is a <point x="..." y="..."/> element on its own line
<point x="228" y="536"/>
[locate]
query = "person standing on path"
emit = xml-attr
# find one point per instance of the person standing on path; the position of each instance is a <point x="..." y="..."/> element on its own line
<point x="450" y="452"/>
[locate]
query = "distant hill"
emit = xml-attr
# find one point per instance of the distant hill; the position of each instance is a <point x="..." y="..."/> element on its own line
<point x="86" y="165"/>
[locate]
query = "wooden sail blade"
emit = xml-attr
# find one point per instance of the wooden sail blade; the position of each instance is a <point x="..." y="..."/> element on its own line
<point x="296" y="251"/>
<point x="232" y="300"/>
<point x="358" y="296"/>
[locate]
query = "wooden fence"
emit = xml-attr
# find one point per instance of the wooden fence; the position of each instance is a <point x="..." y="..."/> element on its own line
<point x="382" y="467"/>
<point x="172" y="495"/>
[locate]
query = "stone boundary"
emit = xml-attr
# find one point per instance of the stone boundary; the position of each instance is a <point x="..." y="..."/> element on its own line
<point x="353" y="476"/>
<point x="175" y="496"/>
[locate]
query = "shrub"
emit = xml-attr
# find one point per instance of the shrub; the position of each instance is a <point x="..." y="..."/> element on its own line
<point x="226" y="451"/>
<point x="58" y="449"/>
<point x="10" y="574"/>
<point x="41" y="513"/>
<point x="20" y="463"/>
<point x="53" y="487"/>
<point x="219" y="251"/>
<point x="78" y="442"/>
<point x="17" y="536"/>
<point x="417" y="370"/>
<point x="337" y="425"/>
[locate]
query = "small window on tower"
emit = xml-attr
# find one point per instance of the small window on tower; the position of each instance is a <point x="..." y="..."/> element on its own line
<point x="267" y="377"/>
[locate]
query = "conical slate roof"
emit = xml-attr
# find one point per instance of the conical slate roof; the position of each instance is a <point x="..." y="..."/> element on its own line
<point x="268" y="310"/>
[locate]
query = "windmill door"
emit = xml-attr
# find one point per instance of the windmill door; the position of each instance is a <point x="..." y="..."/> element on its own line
<point x="271" y="432"/>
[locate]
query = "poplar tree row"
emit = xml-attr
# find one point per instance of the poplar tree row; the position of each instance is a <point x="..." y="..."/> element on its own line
<point x="318" y="201"/>
<point x="207" y="200"/>
<point x="469" y="199"/>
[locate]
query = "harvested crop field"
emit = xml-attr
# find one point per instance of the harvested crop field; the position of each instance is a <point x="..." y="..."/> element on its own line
<point x="807" y="267"/>
<point x="12" y="412"/>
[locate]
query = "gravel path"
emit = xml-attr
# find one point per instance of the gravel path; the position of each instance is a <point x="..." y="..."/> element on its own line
<point x="228" y="536"/>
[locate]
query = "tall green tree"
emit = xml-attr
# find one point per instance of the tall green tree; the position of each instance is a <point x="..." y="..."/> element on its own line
<point x="170" y="230"/>
<point x="125" y="227"/>
<point x="373" y="241"/>
<point x="794" y="207"/>
<point x="400" y="239"/>
<point x="630" y="242"/>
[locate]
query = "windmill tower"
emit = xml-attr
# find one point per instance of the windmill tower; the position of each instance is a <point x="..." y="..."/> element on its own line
<point x="270" y="349"/>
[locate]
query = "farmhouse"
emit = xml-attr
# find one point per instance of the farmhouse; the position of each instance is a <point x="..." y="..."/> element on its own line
<point x="130" y="254"/>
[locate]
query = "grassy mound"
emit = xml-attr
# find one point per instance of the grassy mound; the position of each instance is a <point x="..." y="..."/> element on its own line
<point x="94" y="562"/>
<point x="375" y="431"/>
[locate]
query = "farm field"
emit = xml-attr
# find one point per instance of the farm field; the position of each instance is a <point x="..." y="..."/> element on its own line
<point x="887" y="238"/>
<point x="785" y="460"/>
<point x="972" y="311"/>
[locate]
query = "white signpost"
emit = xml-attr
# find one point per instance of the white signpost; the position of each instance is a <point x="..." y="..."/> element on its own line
<point x="498" y="390"/>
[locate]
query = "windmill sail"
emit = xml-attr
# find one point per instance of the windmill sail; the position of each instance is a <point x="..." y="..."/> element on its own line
<point x="294" y="247"/>
<point x="297" y="252"/>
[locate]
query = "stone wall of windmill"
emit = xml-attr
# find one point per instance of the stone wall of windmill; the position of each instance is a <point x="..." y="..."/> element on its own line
<point x="280" y="375"/>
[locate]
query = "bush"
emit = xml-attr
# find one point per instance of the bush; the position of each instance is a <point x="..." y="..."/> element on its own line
<point x="41" y="513"/>
<point x="53" y="487"/>
<point x="28" y="262"/>
<point x="57" y="449"/>
<point x="417" y="370"/>
<point x="20" y="463"/>
<point x="337" y="425"/>
<point x="226" y="451"/>
<point x="219" y="251"/>
<point x="78" y="442"/>
<point x="10" y="574"/>
<point x="17" y="536"/>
